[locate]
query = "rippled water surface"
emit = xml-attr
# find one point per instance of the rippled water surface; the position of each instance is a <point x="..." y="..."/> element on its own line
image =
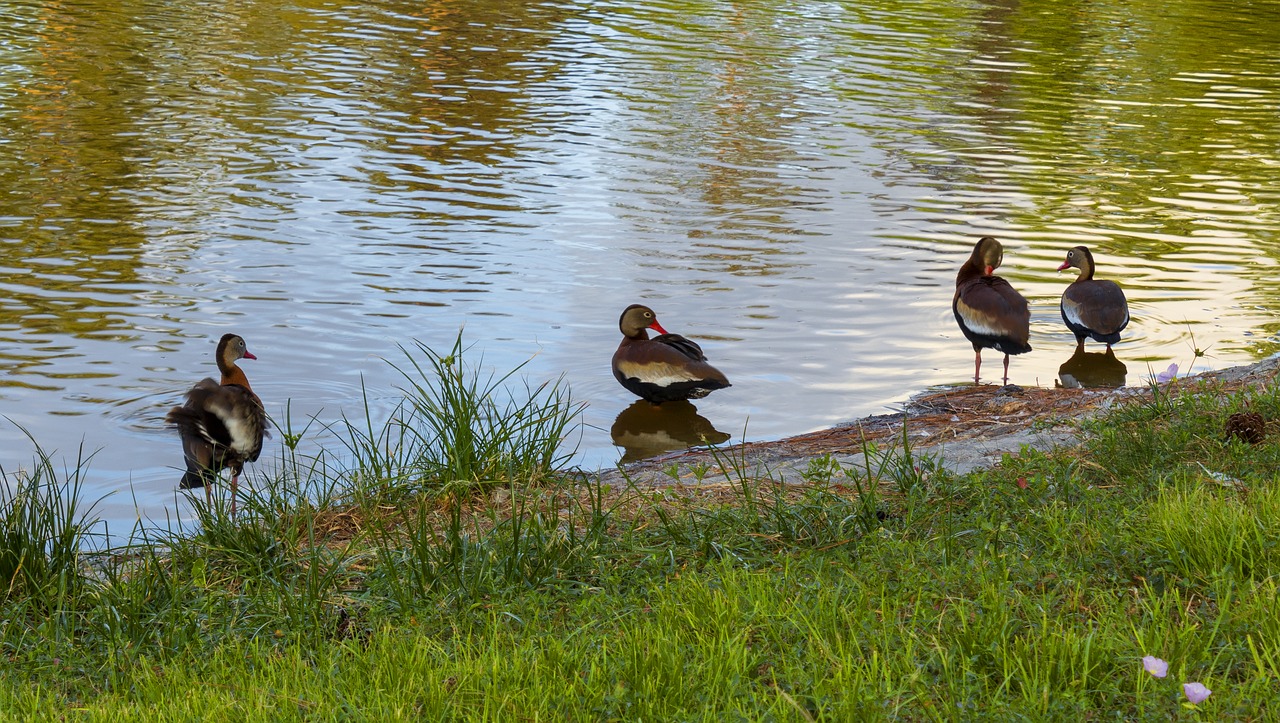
<point x="794" y="185"/>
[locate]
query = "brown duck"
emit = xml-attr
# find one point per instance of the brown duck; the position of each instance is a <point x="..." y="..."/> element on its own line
<point x="1092" y="308"/>
<point x="990" y="312"/>
<point x="662" y="369"/>
<point x="222" y="423"/>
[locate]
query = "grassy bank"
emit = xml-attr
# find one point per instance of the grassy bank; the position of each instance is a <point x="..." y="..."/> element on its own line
<point x="439" y="566"/>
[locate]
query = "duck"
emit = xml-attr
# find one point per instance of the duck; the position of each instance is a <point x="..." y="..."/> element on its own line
<point x="222" y="422"/>
<point x="1092" y="308"/>
<point x="990" y="312"/>
<point x="665" y="368"/>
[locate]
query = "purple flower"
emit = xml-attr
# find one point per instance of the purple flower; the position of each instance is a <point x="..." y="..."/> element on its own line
<point x="1167" y="374"/>
<point x="1196" y="692"/>
<point x="1155" y="666"/>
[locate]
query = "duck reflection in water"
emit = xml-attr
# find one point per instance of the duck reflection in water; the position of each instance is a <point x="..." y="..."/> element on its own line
<point x="1092" y="370"/>
<point x="645" y="430"/>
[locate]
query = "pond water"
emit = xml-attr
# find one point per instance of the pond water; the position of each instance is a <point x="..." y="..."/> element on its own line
<point x="794" y="185"/>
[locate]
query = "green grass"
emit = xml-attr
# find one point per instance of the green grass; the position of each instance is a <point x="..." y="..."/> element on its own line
<point x="471" y="427"/>
<point x="43" y="527"/>
<point x="891" y="591"/>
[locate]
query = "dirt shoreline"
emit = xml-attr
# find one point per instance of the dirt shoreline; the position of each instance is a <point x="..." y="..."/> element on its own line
<point x="964" y="428"/>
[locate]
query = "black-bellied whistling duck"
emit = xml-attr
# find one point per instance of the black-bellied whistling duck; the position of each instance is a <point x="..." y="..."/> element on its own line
<point x="1092" y="308"/>
<point x="990" y="313"/>
<point x="664" y="368"/>
<point x="222" y="423"/>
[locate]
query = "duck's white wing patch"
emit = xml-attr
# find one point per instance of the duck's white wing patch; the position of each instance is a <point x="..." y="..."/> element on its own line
<point x="1072" y="313"/>
<point x="658" y="374"/>
<point x="978" y="323"/>
<point x="243" y="439"/>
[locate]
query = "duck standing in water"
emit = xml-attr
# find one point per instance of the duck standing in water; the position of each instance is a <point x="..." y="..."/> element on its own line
<point x="662" y="369"/>
<point x="990" y="312"/>
<point x="221" y="423"/>
<point x="1092" y="308"/>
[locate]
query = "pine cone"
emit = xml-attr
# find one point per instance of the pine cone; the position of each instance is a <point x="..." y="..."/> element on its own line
<point x="1248" y="426"/>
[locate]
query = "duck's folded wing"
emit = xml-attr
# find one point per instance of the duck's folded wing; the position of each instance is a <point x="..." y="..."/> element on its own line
<point x="992" y="307"/>
<point x="1096" y="305"/>
<point x="686" y="347"/>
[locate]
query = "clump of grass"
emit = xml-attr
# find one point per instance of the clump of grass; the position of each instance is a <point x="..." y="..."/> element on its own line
<point x="460" y="548"/>
<point x="471" y="427"/>
<point x="44" y="529"/>
<point x="1179" y="431"/>
<point x="1206" y="529"/>
<point x="836" y="507"/>
<point x="460" y="424"/>
<point x="383" y="456"/>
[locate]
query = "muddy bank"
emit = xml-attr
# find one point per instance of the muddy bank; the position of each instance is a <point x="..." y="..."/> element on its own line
<point x="964" y="428"/>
